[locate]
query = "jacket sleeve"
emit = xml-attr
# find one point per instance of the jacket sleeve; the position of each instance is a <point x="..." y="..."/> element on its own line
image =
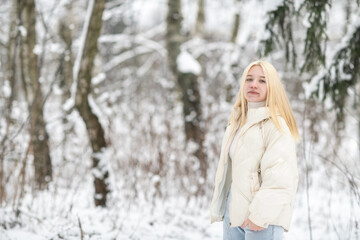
<point x="279" y="176"/>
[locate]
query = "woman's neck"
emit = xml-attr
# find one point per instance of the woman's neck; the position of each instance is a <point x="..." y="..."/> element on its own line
<point x="256" y="104"/>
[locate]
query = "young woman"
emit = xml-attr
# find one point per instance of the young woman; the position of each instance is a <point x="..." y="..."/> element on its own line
<point x="257" y="176"/>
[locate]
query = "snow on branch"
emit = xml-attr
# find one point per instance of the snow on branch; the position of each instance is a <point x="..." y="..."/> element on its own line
<point x="187" y="63"/>
<point x="79" y="56"/>
<point x="337" y="79"/>
<point x="124" y="57"/>
<point x="138" y="39"/>
<point x="83" y="40"/>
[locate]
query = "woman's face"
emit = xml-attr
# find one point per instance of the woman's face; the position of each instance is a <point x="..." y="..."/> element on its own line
<point x="255" y="85"/>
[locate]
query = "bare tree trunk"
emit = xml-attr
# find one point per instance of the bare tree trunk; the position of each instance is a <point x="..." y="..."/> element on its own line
<point x="11" y="69"/>
<point x="188" y="83"/>
<point x="173" y="35"/>
<point x="2" y="175"/>
<point x="357" y="110"/>
<point x="66" y="69"/>
<point x="235" y="28"/>
<point x="358" y="114"/>
<point x="236" y="25"/>
<point x="38" y="133"/>
<point x="66" y="34"/>
<point x="199" y="27"/>
<point x="83" y="91"/>
<point x="348" y="14"/>
<point x="192" y="104"/>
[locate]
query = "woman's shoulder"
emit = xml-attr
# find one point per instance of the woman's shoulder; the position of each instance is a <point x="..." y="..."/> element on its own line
<point x="272" y="133"/>
<point x="270" y="126"/>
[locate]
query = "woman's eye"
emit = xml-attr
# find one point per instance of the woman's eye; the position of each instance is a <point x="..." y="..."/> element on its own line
<point x="262" y="81"/>
<point x="248" y="79"/>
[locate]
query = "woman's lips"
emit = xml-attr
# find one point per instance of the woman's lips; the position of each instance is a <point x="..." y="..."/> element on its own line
<point x="253" y="92"/>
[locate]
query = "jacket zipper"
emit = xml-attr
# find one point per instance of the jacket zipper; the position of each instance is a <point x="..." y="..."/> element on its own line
<point x="244" y="196"/>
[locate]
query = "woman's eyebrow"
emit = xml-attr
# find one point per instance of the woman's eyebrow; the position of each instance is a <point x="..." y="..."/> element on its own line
<point x="249" y="75"/>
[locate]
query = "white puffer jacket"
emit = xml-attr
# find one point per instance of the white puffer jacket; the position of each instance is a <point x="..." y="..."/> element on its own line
<point x="263" y="173"/>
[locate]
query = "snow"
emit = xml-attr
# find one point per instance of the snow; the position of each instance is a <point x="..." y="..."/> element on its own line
<point x="187" y="64"/>
<point x="219" y="25"/>
<point x="98" y="79"/>
<point x="116" y="61"/>
<point x="149" y="13"/>
<point x="22" y="30"/>
<point x="37" y="49"/>
<point x="124" y="220"/>
<point x="20" y="234"/>
<point x="141" y="113"/>
<point x="170" y="219"/>
<point x="305" y="21"/>
<point x="6" y="89"/>
<point x="95" y="108"/>
<point x="311" y="87"/>
<point x="272" y="5"/>
<point x="69" y="104"/>
<point x="139" y="39"/>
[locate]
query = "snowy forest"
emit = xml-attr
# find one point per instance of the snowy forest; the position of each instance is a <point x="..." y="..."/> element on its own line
<point x="112" y="113"/>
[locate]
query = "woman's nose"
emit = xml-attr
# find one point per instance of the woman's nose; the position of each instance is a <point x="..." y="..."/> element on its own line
<point x="254" y="84"/>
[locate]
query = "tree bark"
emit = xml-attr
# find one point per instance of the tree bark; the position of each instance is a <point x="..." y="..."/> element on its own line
<point x="192" y="104"/>
<point x="66" y="69"/>
<point x="38" y="133"/>
<point x="10" y="72"/>
<point x="83" y="91"/>
<point x="189" y="86"/>
<point x="66" y="34"/>
<point x="173" y="35"/>
<point x="199" y="27"/>
<point x="236" y="25"/>
<point x="235" y="28"/>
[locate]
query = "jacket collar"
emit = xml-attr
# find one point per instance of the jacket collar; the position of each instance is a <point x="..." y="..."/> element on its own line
<point x="254" y="116"/>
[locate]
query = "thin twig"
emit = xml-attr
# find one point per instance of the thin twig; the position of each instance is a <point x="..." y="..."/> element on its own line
<point x="306" y="171"/>
<point x="81" y="230"/>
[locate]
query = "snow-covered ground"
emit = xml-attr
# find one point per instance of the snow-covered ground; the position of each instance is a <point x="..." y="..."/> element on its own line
<point x="69" y="214"/>
<point x="325" y="202"/>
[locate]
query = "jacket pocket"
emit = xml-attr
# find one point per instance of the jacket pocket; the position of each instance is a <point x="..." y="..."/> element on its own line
<point x="254" y="182"/>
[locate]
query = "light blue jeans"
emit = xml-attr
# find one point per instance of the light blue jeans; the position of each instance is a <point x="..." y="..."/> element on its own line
<point x="273" y="232"/>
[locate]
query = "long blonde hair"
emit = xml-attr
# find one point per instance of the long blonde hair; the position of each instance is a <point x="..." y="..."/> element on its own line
<point x="276" y="100"/>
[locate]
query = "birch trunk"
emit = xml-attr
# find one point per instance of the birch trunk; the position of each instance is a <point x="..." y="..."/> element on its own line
<point x="95" y="131"/>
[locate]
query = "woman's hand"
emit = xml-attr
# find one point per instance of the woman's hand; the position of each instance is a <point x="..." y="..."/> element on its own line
<point x="252" y="226"/>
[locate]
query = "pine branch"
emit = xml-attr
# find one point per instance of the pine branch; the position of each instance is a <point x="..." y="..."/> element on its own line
<point x="279" y="27"/>
<point x="316" y="33"/>
<point x="342" y="74"/>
